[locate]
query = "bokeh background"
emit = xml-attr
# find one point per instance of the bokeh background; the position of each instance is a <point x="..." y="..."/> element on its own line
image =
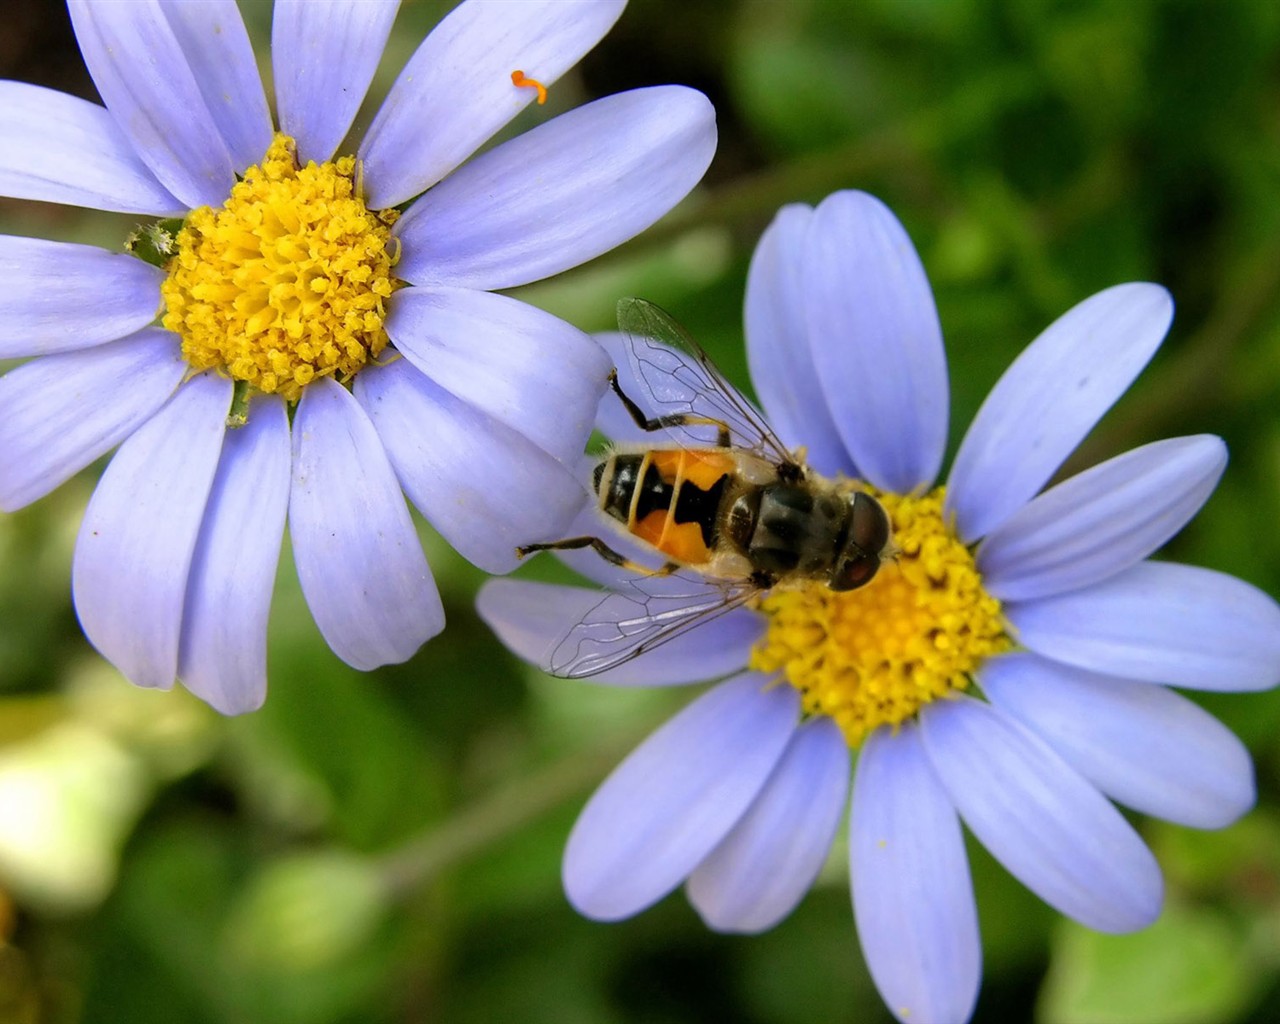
<point x="385" y="847"/>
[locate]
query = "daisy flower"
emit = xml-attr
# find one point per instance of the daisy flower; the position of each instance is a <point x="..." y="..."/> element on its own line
<point x="309" y="338"/>
<point x="1011" y="668"/>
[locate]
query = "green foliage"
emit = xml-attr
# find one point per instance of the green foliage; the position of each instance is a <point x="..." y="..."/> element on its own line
<point x="385" y="846"/>
<point x="1190" y="967"/>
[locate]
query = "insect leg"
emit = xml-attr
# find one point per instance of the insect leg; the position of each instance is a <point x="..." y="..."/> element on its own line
<point x="600" y="548"/>
<point x="679" y="419"/>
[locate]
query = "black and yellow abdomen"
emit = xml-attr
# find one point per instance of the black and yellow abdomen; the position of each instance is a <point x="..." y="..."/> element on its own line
<point x="670" y="498"/>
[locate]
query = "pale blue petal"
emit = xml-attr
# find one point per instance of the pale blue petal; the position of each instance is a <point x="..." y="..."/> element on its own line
<point x="56" y="148"/>
<point x="876" y="341"/>
<point x="561" y="194"/>
<point x="147" y="83"/>
<point x="62" y="412"/>
<point x="678" y="794"/>
<point x="217" y="48"/>
<point x="766" y="864"/>
<point x="1049" y="399"/>
<point x="359" y="559"/>
<point x="486" y="488"/>
<point x="527" y="369"/>
<point x="1145" y="746"/>
<point x="912" y="893"/>
<point x="456" y="91"/>
<point x="1050" y="828"/>
<point x="325" y="53"/>
<point x="129" y="576"/>
<point x="531" y="619"/>
<point x="1160" y="623"/>
<point x="223" y="654"/>
<point x="1101" y="521"/>
<point x="778" y="350"/>
<point x="59" y="296"/>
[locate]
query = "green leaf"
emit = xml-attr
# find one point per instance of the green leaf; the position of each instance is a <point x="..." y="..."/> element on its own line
<point x="306" y="912"/>
<point x="1189" y="967"/>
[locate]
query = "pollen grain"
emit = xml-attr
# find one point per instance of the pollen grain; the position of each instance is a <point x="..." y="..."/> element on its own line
<point x="522" y="81"/>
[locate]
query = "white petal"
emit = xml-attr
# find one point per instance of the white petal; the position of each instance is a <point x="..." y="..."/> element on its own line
<point x="134" y="551"/>
<point x="359" y="560"/>
<point x="223" y="654"/>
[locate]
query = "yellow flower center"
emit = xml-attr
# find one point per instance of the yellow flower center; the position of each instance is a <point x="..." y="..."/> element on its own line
<point x="288" y="281"/>
<point x="875" y="656"/>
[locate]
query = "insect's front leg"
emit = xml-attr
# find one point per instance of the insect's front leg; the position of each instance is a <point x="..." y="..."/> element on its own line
<point x="679" y="419"/>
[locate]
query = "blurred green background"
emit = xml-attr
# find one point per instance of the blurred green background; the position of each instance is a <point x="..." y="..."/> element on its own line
<point x="385" y="847"/>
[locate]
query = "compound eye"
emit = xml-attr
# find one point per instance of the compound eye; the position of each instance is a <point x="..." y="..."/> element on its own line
<point x="855" y="572"/>
<point x="869" y="526"/>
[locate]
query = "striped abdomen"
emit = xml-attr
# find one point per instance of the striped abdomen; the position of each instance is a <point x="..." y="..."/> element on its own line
<point x="669" y="498"/>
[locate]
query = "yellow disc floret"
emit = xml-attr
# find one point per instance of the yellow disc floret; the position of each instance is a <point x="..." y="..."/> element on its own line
<point x="288" y="281"/>
<point x="876" y="655"/>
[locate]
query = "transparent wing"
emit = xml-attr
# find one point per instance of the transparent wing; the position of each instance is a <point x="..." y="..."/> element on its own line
<point x="629" y="622"/>
<point x="682" y="380"/>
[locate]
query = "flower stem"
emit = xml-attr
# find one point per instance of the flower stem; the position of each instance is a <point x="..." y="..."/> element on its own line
<point x="422" y="858"/>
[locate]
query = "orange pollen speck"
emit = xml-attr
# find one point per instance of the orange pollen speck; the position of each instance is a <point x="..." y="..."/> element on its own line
<point x="522" y="81"/>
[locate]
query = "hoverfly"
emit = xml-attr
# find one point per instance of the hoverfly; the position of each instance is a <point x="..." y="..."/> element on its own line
<point x="732" y="515"/>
